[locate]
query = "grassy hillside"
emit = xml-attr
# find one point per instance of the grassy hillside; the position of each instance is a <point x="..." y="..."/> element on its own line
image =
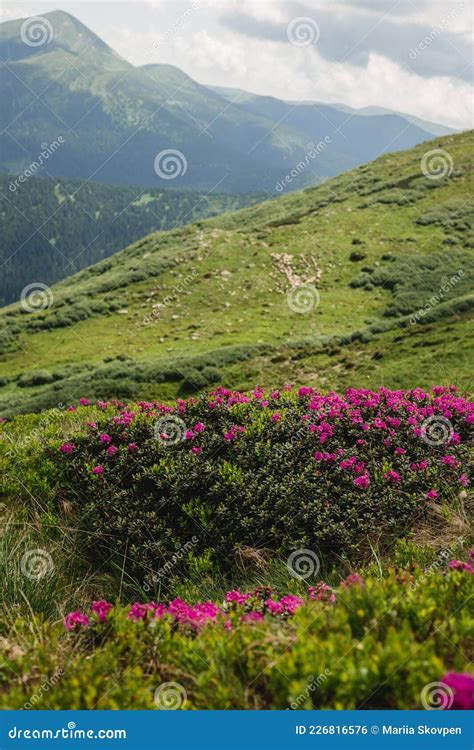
<point x="52" y="228"/>
<point x="115" y="118"/>
<point x="324" y="286"/>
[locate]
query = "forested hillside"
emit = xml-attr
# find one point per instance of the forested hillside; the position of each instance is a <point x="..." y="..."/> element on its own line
<point x="51" y="228"/>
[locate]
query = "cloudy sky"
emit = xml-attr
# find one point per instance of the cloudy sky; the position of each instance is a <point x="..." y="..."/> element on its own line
<point x="413" y="56"/>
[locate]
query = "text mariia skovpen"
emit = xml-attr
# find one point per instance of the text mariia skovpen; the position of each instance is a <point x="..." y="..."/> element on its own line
<point x="421" y="729"/>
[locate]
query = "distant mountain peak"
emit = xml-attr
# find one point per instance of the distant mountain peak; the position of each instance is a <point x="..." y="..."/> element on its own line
<point x="51" y="31"/>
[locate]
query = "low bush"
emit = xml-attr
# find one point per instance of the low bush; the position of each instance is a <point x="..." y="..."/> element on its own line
<point x="372" y="643"/>
<point x="36" y="377"/>
<point x="274" y="472"/>
<point x="427" y="281"/>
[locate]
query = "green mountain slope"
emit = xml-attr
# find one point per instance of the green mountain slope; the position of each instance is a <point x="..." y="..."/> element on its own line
<point x="115" y="118"/>
<point x="51" y="228"/>
<point x="364" y="279"/>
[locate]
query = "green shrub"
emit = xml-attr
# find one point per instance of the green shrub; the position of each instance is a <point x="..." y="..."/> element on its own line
<point x="37" y="377"/>
<point x="247" y="479"/>
<point x="377" y="647"/>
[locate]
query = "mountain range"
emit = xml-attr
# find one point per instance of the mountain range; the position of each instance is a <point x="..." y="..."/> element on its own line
<point x="366" y="278"/>
<point x="116" y="119"/>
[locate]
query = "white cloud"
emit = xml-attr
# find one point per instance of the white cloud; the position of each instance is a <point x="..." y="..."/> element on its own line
<point x="11" y="12"/>
<point x="208" y="53"/>
<point x="269" y="68"/>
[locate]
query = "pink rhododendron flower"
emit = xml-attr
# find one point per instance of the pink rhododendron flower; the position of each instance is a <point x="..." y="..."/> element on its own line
<point x="322" y="593"/>
<point x="67" y="448"/>
<point x="291" y="603"/>
<point x="450" y="461"/>
<point x="252" y="617"/>
<point x="460" y="565"/>
<point x="362" y="481"/>
<point x="392" y="476"/>
<point x="101" y="608"/>
<point x="305" y="391"/>
<point x="236" y="597"/>
<point x="112" y="450"/>
<point x="98" y="470"/>
<point x="461" y="685"/>
<point x="432" y="495"/>
<point x="138" y="611"/>
<point x="196" y="449"/>
<point x="76" y="620"/>
<point x="233" y="432"/>
<point x="275" y="608"/>
<point x="105" y="439"/>
<point x="354" y="579"/>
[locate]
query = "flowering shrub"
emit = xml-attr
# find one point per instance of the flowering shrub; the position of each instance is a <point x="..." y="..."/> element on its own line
<point x="252" y="606"/>
<point x="373" y="642"/>
<point x="279" y="470"/>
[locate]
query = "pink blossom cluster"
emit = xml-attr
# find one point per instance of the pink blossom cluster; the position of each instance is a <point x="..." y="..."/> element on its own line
<point x="341" y="429"/>
<point x="253" y="606"/>
<point x="461" y="694"/>
<point x="464" y="565"/>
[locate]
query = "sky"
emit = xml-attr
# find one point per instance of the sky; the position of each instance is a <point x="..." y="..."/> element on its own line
<point x="413" y="56"/>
